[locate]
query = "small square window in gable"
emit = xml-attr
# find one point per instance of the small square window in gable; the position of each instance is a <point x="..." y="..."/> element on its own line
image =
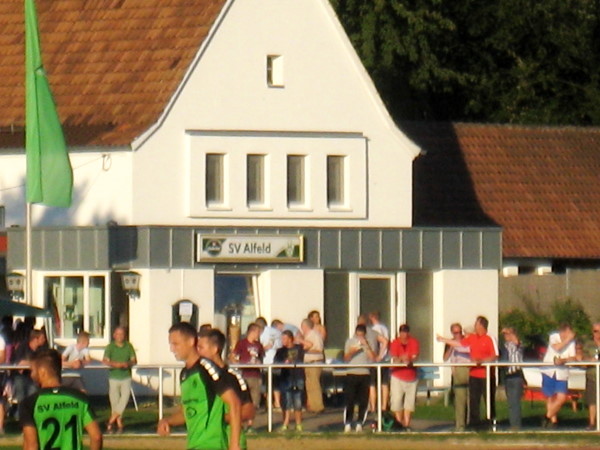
<point x="275" y="71"/>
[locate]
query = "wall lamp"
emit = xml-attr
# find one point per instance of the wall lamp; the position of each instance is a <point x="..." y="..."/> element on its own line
<point x="131" y="284"/>
<point x="15" y="283"/>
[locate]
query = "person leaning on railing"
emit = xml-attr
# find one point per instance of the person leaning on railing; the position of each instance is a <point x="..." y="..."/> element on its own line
<point x="356" y="382"/>
<point x="482" y="349"/>
<point x="511" y="350"/>
<point x="460" y="376"/>
<point x="591" y="352"/>
<point x="561" y="350"/>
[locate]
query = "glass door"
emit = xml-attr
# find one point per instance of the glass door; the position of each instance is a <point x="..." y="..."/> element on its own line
<point x="374" y="292"/>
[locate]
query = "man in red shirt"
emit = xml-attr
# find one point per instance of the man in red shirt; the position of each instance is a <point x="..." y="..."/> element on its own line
<point x="483" y="348"/>
<point x="403" y="382"/>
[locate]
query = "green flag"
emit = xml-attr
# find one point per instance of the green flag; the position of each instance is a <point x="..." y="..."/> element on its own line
<point x="49" y="173"/>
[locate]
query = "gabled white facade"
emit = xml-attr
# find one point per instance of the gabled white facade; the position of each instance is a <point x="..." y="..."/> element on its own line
<point x="324" y="104"/>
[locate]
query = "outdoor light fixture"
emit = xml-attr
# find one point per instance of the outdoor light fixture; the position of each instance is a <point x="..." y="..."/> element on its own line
<point x="15" y="283"/>
<point x="131" y="284"/>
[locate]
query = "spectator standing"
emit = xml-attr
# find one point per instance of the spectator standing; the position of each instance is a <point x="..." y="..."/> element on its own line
<point x="210" y="345"/>
<point x="592" y="353"/>
<point x="250" y="351"/>
<point x="482" y="349"/>
<point x="356" y="382"/>
<point x="23" y="385"/>
<point x="561" y="349"/>
<point x="291" y="382"/>
<point x="403" y="383"/>
<point x="46" y="419"/>
<point x="119" y="356"/>
<point x="375" y="341"/>
<point x="514" y="381"/>
<point x="312" y="344"/>
<point x="270" y="338"/>
<point x="382" y="356"/>
<point x="74" y="358"/>
<point x="315" y="318"/>
<point x="460" y="376"/>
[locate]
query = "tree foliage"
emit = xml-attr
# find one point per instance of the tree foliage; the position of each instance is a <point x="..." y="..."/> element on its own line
<point x="510" y="61"/>
<point x="533" y="326"/>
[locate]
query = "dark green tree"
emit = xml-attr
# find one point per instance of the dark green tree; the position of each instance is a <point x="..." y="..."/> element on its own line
<point x="514" y="61"/>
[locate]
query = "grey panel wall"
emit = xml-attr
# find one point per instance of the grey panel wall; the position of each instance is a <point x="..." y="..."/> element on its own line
<point x="419" y="311"/>
<point x="338" y="248"/>
<point x="336" y="308"/>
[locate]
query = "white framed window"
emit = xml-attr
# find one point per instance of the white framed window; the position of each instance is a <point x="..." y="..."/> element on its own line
<point x="215" y="179"/>
<point x="336" y="181"/>
<point x="255" y="180"/>
<point x="296" y="180"/>
<point x="79" y="302"/>
<point x="275" y="71"/>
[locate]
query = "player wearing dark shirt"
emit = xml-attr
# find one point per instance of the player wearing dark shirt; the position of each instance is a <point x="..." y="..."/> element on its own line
<point x="210" y="345"/>
<point x="55" y="416"/>
<point x="204" y="397"/>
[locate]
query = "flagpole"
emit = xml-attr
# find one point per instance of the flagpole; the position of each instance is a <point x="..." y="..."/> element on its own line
<point x="28" y="265"/>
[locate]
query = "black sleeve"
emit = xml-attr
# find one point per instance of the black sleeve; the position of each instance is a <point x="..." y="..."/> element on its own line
<point x="226" y="382"/>
<point x="279" y="355"/>
<point x="242" y="389"/>
<point x="300" y="354"/>
<point x="26" y="411"/>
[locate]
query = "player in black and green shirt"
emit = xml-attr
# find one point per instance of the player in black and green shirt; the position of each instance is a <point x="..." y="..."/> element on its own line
<point x="203" y="397"/>
<point x="55" y="416"/>
<point x="210" y="345"/>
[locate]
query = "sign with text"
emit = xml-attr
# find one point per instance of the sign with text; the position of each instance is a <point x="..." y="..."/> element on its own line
<point x="250" y="248"/>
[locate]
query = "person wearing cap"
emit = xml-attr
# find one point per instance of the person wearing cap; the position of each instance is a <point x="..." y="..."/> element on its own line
<point x="403" y="382"/>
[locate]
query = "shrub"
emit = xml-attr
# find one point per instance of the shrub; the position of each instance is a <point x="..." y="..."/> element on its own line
<point x="533" y="326"/>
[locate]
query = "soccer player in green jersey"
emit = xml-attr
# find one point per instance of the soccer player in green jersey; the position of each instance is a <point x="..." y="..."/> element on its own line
<point x="55" y="416"/>
<point x="203" y="397"/>
<point x="210" y="345"/>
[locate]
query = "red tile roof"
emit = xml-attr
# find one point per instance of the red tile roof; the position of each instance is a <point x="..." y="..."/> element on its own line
<point x="540" y="184"/>
<point x="112" y="64"/>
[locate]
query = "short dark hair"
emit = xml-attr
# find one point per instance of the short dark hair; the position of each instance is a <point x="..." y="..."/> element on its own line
<point x="361" y="328"/>
<point x="288" y="333"/>
<point x="50" y="360"/>
<point x="251" y="327"/>
<point x="215" y="337"/>
<point x="276" y="323"/>
<point x="185" y="329"/>
<point x="205" y="326"/>
<point x="404" y="328"/>
<point x="483" y="321"/>
<point x="261" y="322"/>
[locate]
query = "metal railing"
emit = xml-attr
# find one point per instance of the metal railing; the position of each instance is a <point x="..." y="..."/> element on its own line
<point x="269" y="368"/>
